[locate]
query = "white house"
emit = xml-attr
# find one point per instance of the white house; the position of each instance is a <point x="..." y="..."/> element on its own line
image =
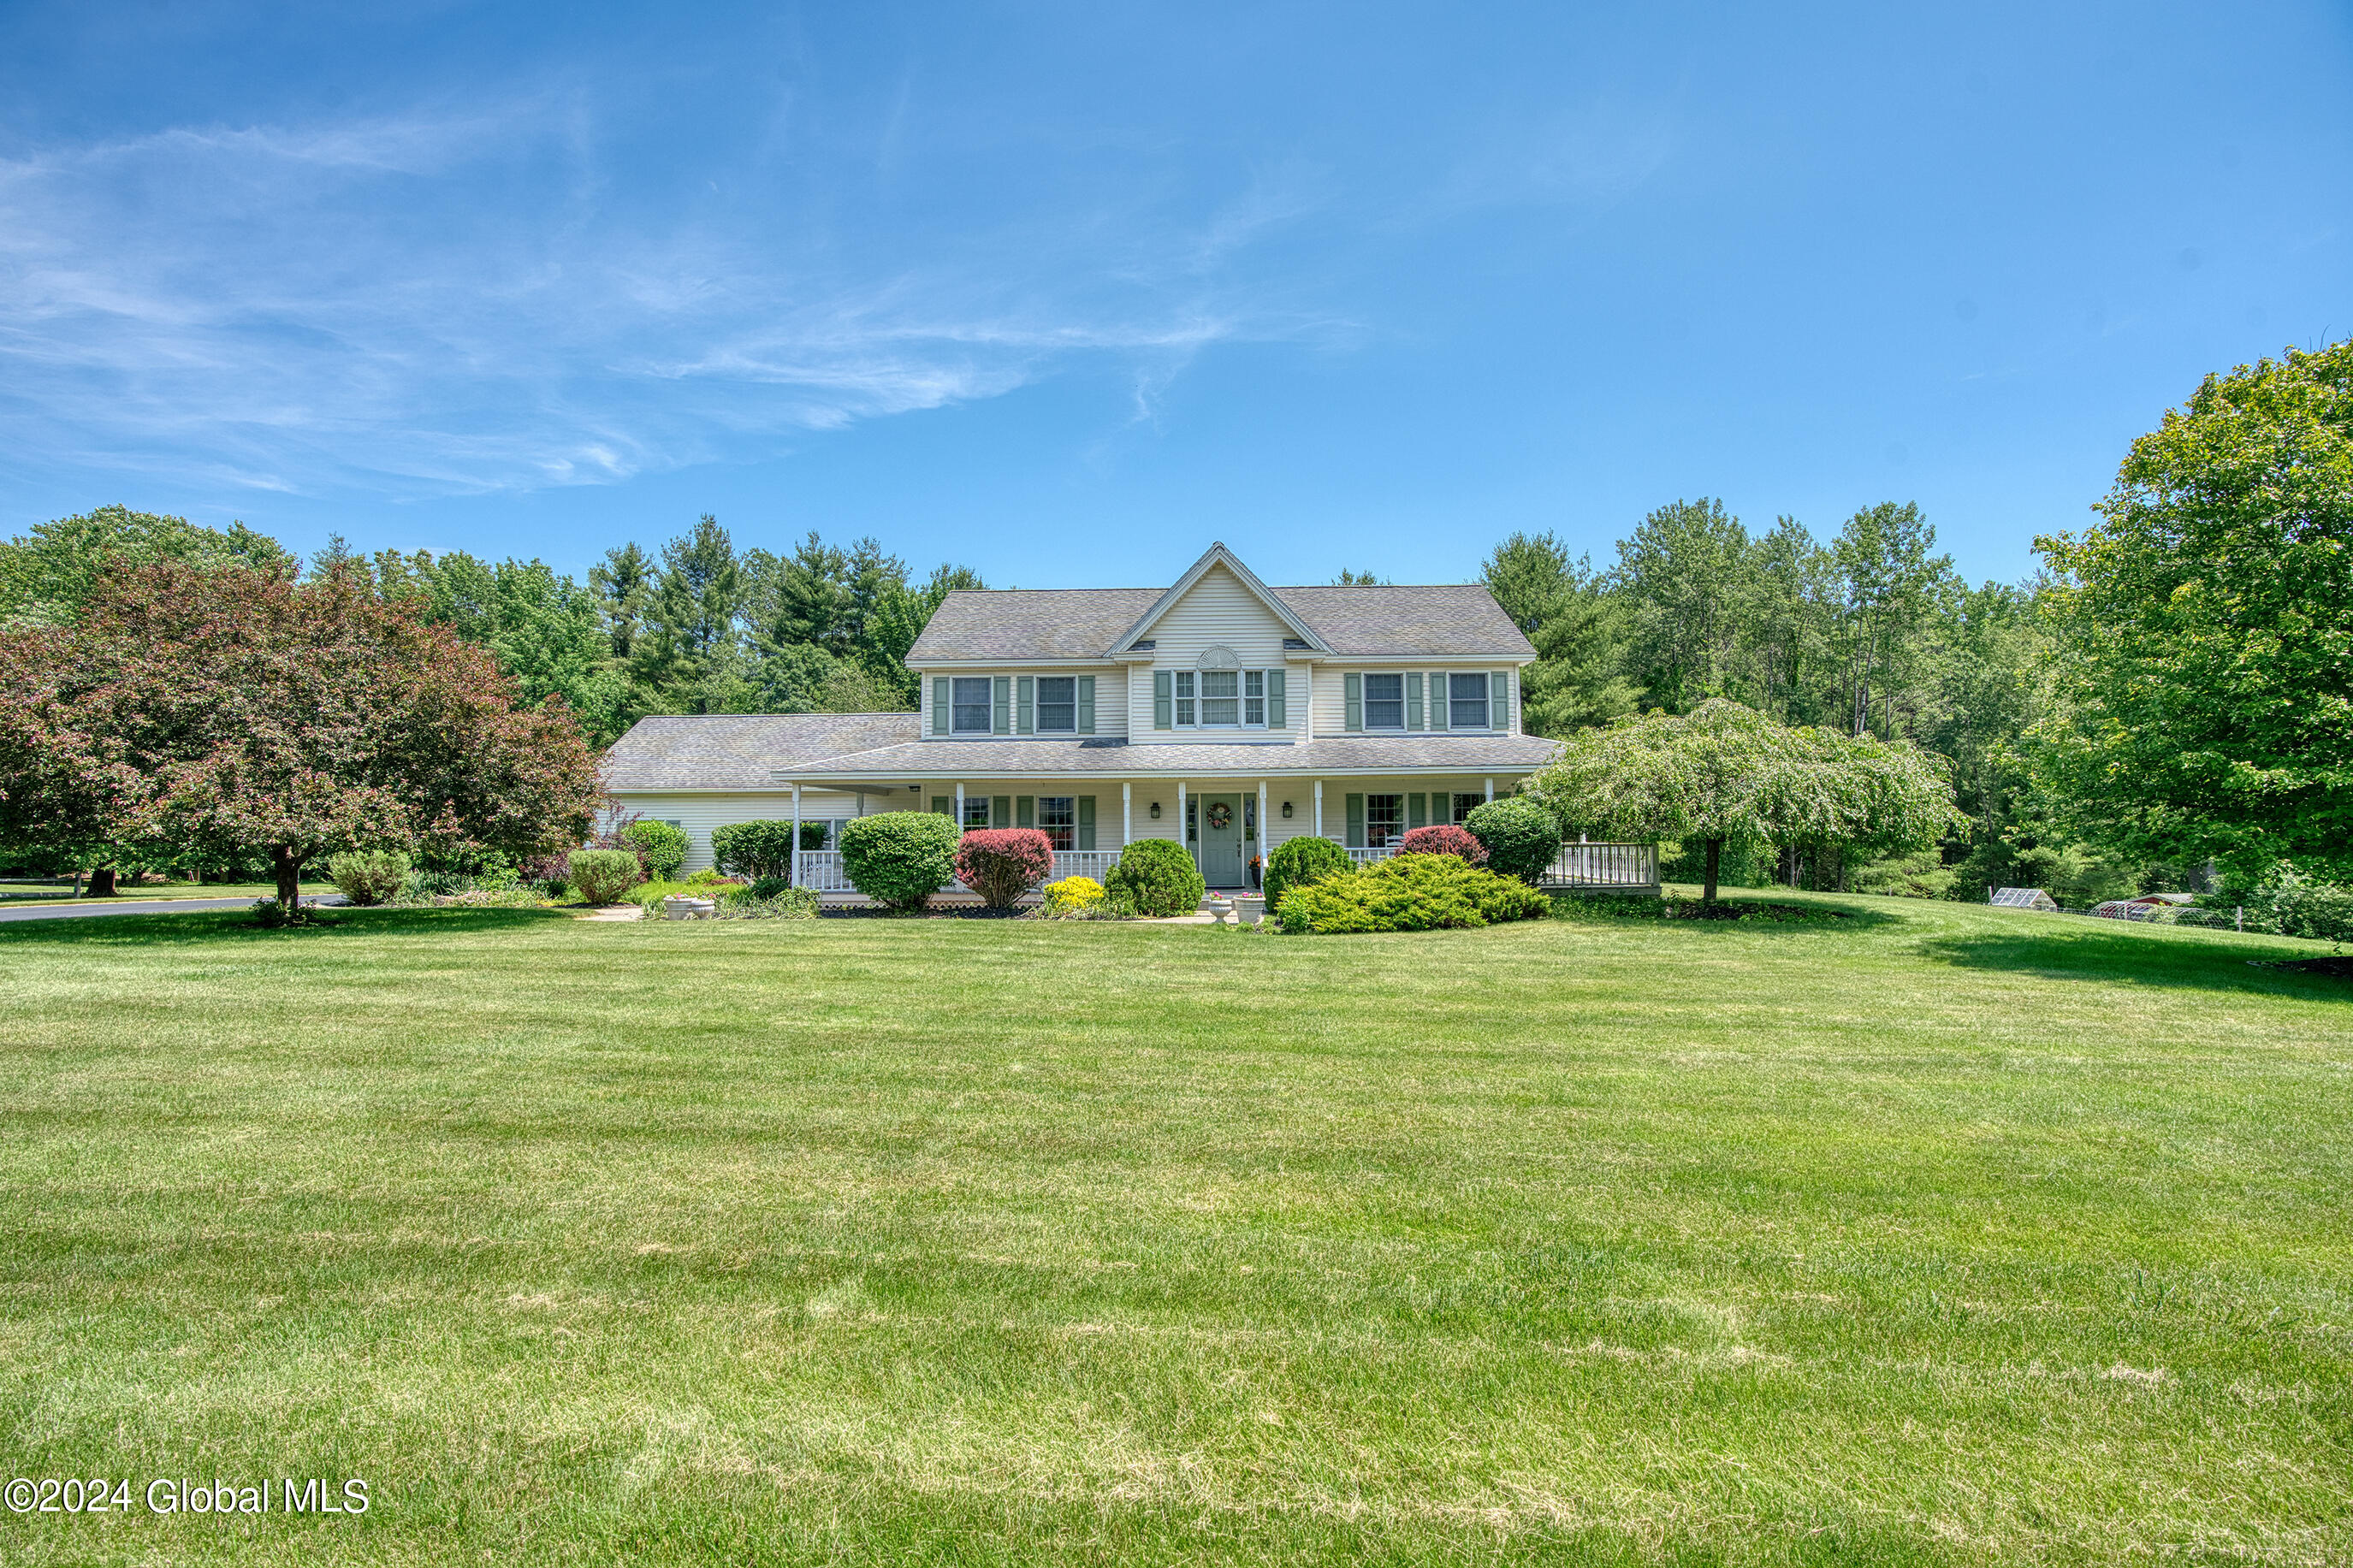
<point x="1218" y="711"/>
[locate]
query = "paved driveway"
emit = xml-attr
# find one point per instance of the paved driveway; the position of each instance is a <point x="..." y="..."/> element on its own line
<point x="142" y="907"/>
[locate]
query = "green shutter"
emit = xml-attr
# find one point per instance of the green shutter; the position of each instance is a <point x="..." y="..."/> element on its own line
<point x="1025" y="811"/>
<point x="1025" y="705"/>
<point x="1000" y="811"/>
<point x="1086" y="822"/>
<point x="1086" y="705"/>
<point x="1438" y="695"/>
<point x="1413" y="700"/>
<point x="1163" y="713"/>
<point x="1499" y="701"/>
<point x="939" y="705"/>
<point x="1277" y="716"/>
<point x="1355" y="818"/>
<point x="942" y="805"/>
<point x="1352" y="687"/>
<point x="1001" y="712"/>
<point x="1415" y="813"/>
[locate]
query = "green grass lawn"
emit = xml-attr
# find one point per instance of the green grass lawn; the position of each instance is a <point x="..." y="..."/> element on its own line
<point x="62" y="893"/>
<point x="1939" y="1234"/>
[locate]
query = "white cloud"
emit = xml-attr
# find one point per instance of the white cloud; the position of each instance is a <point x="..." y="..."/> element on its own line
<point x="472" y="303"/>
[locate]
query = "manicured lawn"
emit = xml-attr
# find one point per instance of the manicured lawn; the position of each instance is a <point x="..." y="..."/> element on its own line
<point x="1942" y="1234"/>
<point x="63" y="893"/>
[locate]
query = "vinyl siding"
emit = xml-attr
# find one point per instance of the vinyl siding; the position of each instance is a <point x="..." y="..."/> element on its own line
<point x="1330" y="697"/>
<point x="698" y="814"/>
<point x="1217" y="611"/>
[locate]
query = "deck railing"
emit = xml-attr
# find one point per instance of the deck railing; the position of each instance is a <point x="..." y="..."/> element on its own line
<point x="1630" y="865"/>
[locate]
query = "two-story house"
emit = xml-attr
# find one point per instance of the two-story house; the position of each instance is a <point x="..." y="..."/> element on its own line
<point x="1218" y="713"/>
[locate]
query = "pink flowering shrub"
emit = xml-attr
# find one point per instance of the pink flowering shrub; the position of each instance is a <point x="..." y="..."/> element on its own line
<point x="1001" y="864"/>
<point x="1444" y="840"/>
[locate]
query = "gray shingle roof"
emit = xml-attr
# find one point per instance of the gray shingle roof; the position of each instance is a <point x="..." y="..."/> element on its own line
<point x="741" y="751"/>
<point x="1375" y="621"/>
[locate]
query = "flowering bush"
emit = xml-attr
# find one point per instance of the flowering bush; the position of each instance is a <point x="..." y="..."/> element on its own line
<point x="1071" y="894"/>
<point x="1445" y="838"/>
<point x="1001" y="864"/>
<point x="1410" y="892"/>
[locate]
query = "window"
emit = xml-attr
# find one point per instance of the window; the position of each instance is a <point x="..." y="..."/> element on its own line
<point x="1463" y="805"/>
<point x="972" y="704"/>
<point x="1254" y="697"/>
<point x="1058" y="818"/>
<point x="1221" y="697"/>
<point x="976" y="811"/>
<point x="1058" y="704"/>
<point x="1467" y="708"/>
<point x="1384" y="816"/>
<point x="1184" y="698"/>
<point x="1385" y="705"/>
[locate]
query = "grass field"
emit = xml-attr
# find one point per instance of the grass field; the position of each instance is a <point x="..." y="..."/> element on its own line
<point x="1939" y="1234"/>
<point x="62" y="893"/>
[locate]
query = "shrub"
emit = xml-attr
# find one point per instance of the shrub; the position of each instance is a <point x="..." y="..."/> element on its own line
<point x="546" y="875"/>
<point x="1521" y="835"/>
<point x="1001" y="864"/>
<point x="754" y="849"/>
<point x="707" y="878"/>
<point x="768" y="886"/>
<point x="1921" y="876"/>
<point x="1157" y="877"/>
<point x="370" y="875"/>
<point x="1072" y="894"/>
<point x="899" y="857"/>
<point x="602" y="876"/>
<point x="663" y="847"/>
<point x="1445" y="838"/>
<point x="1410" y="892"/>
<point x="2287" y="904"/>
<point x="1296" y="862"/>
<point x="649" y="896"/>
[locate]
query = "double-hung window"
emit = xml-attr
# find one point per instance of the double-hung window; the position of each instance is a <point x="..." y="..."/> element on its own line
<point x="1254" y="698"/>
<point x="1185" y="699"/>
<point x="1058" y="705"/>
<point x="1384" y="818"/>
<point x="1222" y="706"/>
<point x="971" y="705"/>
<point x="1058" y="818"/>
<point x="976" y="811"/>
<point x="1384" y="703"/>
<point x="1467" y="706"/>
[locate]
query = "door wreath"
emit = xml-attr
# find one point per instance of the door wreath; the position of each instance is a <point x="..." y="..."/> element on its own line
<point x="1221" y="816"/>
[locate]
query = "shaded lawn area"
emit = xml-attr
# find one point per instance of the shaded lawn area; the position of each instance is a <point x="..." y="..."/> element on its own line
<point x="1942" y="1234"/>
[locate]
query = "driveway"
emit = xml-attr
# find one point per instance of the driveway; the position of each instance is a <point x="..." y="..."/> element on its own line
<point x="144" y="907"/>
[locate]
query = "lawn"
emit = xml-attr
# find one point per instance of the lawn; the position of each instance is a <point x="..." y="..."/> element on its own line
<point x="130" y="892"/>
<point x="1935" y="1235"/>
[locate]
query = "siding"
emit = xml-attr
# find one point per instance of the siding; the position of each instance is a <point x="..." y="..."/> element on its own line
<point x="1332" y="695"/>
<point x="1110" y="694"/>
<point x="1217" y="611"/>
<point x="698" y="814"/>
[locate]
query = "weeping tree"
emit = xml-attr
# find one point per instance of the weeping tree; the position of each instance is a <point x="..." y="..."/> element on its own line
<point x="1726" y="774"/>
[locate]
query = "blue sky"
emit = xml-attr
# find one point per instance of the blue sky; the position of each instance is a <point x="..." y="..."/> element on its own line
<point x="1065" y="292"/>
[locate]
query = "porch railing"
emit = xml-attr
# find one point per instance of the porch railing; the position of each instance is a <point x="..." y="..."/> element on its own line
<point x="822" y="870"/>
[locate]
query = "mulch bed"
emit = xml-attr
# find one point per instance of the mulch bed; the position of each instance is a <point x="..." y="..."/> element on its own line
<point x="937" y="913"/>
<point x="2339" y="967"/>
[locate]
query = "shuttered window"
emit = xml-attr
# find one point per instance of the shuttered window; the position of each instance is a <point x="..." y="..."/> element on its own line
<point x="1058" y="819"/>
<point x="1384" y="701"/>
<point x="1467" y="706"/>
<point x="1058" y="705"/>
<point x="1384" y="819"/>
<point x="971" y="705"/>
<point x="1185" y="699"/>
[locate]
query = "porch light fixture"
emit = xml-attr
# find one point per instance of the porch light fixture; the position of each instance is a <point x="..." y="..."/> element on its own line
<point x="1155" y="811"/>
<point x="1286" y="811"/>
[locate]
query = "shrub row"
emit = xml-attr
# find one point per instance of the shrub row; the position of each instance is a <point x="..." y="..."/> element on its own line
<point x="1408" y="892"/>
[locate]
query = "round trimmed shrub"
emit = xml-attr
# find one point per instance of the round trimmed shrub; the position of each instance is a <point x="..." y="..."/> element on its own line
<point x="369" y="876"/>
<point x="899" y="857"/>
<point x="663" y="847"/>
<point x="1001" y="864"/>
<point x="1298" y="862"/>
<point x="1158" y="878"/>
<point x="1445" y="838"/>
<point x="1522" y="836"/>
<point x="603" y="876"/>
<point x="755" y="849"/>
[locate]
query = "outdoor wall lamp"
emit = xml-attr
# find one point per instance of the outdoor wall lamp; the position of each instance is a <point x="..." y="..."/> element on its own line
<point x="1155" y="811"/>
<point x="1286" y="811"/>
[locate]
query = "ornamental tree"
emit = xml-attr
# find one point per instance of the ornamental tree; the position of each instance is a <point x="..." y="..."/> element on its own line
<point x="221" y="711"/>
<point x="2203" y="670"/>
<point x="1724" y="775"/>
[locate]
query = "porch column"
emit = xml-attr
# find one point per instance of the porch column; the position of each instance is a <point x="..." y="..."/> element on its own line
<point x="959" y="817"/>
<point x="796" y="836"/>
<point x="1319" y="808"/>
<point x="1262" y="832"/>
<point x="1491" y="789"/>
<point x="1126" y="813"/>
<point x="1180" y="819"/>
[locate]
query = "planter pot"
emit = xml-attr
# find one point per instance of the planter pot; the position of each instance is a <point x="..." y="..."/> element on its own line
<point x="676" y="906"/>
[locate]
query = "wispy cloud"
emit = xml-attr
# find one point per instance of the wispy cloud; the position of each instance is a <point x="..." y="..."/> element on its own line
<point x="467" y="302"/>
